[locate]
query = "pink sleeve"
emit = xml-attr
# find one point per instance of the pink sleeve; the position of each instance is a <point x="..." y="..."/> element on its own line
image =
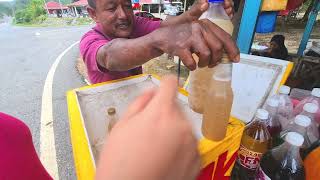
<point x="89" y="46"/>
<point x="144" y="26"/>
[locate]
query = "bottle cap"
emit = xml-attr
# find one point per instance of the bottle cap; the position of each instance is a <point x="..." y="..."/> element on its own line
<point x="111" y="111"/>
<point x="273" y="102"/>
<point x="284" y="90"/>
<point x="302" y="120"/>
<point x="310" y="108"/>
<point x="315" y="92"/>
<point x="215" y="1"/>
<point x="294" y="138"/>
<point x="262" y="114"/>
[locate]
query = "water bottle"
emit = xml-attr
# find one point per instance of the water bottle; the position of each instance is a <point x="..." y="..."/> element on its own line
<point x="284" y="161"/>
<point x="301" y="125"/>
<point x="310" y="110"/>
<point x="273" y="123"/>
<point x="314" y="98"/>
<point x="285" y="105"/>
<point x="201" y="77"/>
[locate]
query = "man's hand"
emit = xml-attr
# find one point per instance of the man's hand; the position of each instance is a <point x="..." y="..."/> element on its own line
<point x="200" y="6"/>
<point x="153" y="140"/>
<point x="197" y="9"/>
<point x="201" y="37"/>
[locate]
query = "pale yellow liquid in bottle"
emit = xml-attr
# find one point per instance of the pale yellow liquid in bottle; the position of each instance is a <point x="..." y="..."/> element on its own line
<point x="200" y="78"/>
<point x="218" y="104"/>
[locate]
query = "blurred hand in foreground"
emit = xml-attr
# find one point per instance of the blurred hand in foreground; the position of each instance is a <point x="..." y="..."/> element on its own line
<point x="153" y="140"/>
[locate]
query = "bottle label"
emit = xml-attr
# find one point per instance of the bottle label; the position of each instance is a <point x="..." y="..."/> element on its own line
<point x="249" y="159"/>
<point x="262" y="175"/>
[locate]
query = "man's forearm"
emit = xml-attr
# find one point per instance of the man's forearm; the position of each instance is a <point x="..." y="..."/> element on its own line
<point x="124" y="54"/>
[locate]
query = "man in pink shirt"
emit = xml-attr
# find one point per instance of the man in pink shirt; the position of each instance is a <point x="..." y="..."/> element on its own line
<point x="121" y="42"/>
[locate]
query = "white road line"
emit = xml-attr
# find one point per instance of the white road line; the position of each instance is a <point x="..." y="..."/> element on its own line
<point x="47" y="144"/>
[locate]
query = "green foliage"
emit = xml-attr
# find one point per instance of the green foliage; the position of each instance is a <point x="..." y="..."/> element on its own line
<point x="21" y="4"/>
<point x="41" y="18"/>
<point x="34" y="11"/>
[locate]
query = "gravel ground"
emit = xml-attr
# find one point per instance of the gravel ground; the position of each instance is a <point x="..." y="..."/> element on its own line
<point x="160" y="66"/>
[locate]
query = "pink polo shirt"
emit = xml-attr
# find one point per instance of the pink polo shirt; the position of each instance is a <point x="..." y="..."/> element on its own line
<point x="95" y="38"/>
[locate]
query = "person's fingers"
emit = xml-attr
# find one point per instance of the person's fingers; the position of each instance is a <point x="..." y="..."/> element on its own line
<point x="213" y="64"/>
<point x="203" y="5"/>
<point x="228" y="3"/>
<point x="187" y="59"/>
<point x="229" y="45"/>
<point x="200" y="47"/>
<point x="166" y="94"/>
<point x="230" y="12"/>
<point x="168" y="89"/>
<point x="214" y="44"/>
<point x="198" y="8"/>
<point x="192" y="157"/>
<point x="139" y="103"/>
<point x="196" y="167"/>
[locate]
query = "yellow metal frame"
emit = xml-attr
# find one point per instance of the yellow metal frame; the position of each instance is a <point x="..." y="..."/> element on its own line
<point x="84" y="163"/>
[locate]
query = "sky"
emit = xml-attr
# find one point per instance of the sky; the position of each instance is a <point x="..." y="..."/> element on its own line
<point x="5" y="0"/>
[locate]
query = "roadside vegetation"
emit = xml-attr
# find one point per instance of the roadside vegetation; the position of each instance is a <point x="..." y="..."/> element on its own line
<point x="32" y="13"/>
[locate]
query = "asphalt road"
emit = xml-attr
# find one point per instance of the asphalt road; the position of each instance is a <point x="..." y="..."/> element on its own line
<point x="26" y="55"/>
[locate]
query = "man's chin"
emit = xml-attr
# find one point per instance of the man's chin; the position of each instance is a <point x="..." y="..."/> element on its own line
<point x="123" y="33"/>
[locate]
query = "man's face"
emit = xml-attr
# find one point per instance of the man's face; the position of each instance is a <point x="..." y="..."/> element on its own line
<point x="115" y="16"/>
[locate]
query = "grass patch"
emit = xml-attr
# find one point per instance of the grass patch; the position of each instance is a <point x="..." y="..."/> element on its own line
<point x="56" y="22"/>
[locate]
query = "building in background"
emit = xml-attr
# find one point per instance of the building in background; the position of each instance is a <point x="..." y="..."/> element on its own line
<point x="55" y="9"/>
<point x="78" y="8"/>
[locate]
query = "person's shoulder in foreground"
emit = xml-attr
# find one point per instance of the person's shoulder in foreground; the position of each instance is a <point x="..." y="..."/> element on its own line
<point x="95" y="39"/>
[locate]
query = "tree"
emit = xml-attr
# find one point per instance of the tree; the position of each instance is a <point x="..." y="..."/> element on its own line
<point x="5" y="9"/>
<point x="21" y="4"/>
<point x="31" y="12"/>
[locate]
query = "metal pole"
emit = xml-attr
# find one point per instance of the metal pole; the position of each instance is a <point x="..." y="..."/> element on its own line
<point x="185" y="6"/>
<point x="306" y="35"/>
<point x="311" y="21"/>
<point x="248" y="24"/>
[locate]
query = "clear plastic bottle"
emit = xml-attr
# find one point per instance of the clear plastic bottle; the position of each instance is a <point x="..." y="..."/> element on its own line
<point x="283" y="162"/>
<point x="285" y="105"/>
<point x="314" y="98"/>
<point x="273" y="123"/>
<point x="301" y="125"/>
<point x="200" y="78"/>
<point x="255" y="141"/>
<point x="112" y="118"/>
<point x="218" y="103"/>
<point x="310" y="110"/>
